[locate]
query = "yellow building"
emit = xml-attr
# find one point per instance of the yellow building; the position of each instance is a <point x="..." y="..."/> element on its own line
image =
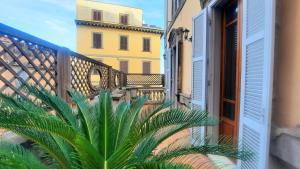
<point x="116" y="36"/>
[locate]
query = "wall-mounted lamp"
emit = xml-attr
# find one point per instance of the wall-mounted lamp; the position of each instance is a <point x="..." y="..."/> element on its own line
<point x="186" y="34"/>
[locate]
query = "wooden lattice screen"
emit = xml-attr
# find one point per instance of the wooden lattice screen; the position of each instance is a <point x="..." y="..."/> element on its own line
<point x="25" y="59"/>
<point x="145" y="80"/>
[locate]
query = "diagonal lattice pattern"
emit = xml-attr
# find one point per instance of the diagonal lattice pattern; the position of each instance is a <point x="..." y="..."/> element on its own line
<point x="25" y="59"/>
<point x="145" y="80"/>
<point x="80" y="67"/>
<point x="116" y="79"/>
<point x="25" y="62"/>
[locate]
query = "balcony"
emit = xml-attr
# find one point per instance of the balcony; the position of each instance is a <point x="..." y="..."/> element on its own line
<point x="26" y="59"/>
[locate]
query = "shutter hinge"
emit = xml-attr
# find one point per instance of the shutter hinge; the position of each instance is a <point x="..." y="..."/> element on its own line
<point x="207" y="61"/>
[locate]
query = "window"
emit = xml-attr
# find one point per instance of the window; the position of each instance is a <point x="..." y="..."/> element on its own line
<point x="97" y="40"/>
<point x="124" y="66"/>
<point x="146" y="45"/>
<point x="123" y="43"/>
<point x="146" y="67"/>
<point x="124" y="19"/>
<point x="176" y="4"/>
<point x="97" y="15"/>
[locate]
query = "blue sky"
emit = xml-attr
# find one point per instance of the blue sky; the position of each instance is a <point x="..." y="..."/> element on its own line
<point x="53" y="20"/>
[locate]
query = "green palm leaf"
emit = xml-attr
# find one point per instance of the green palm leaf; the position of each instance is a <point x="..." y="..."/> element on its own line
<point x="95" y="136"/>
<point x="62" y="108"/>
<point x="16" y="157"/>
<point x="162" y="165"/>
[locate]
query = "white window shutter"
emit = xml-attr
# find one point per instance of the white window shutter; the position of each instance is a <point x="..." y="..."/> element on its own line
<point x="257" y="80"/>
<point x="168" y="73"/>
<point x="199" y="63"/>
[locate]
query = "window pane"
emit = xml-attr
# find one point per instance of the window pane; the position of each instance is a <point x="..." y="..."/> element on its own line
<point x="124" y="66"/>
<point x="230" y="62"/>
<point x="97" y="40"/>
<point x="123" y="43"/>
<point x="124" y="19"/>
<point x="231" y="12"/>
<point x="97" y="15"/>
<point x="146" y="67"/>
<point x="146" y="45"/>
<point x="229" y="110"/>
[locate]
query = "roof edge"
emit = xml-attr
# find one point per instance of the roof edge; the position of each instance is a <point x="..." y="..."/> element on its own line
<point x="119" y="26"/>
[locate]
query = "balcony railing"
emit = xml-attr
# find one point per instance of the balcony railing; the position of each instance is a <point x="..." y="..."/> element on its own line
<point x="25" y="59"/>
<point x="150" y="85"/>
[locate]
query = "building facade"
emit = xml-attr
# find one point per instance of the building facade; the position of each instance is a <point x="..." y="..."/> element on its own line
<point x="237" y="59"/>
<point x="116" y="36"/>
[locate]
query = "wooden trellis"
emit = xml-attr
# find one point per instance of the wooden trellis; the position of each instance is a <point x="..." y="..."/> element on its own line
<point x="25" y="62"/>
<point x="145" y="80"/>
<point x="25" y="59"/>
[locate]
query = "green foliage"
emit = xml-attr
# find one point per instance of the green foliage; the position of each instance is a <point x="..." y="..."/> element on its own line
<point x="97" y="136"/>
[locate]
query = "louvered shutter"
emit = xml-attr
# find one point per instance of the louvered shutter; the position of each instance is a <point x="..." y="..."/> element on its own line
<point x="257" y="80"/>
<point x="97" y="40"/>
<point x="168" y="73"/>
<point x="199" y="60"/>
<point x="146" y="67"/>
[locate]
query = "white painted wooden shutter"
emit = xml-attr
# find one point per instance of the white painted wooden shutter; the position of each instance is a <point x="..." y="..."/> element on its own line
<point x="257" y="80"/>
<point x="199" y="62"/>
<point x="168" y="73"/>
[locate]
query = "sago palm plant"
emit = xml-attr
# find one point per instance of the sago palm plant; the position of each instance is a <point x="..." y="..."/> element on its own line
<point x="95" y="136"/>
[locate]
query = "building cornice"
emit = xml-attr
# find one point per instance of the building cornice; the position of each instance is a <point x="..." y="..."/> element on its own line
<point x="120" y="57"/>
<point x="119" y="26"/>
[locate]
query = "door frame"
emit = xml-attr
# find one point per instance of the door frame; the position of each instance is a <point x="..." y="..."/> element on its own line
<point x="175" y="42"/>
<point x="214" y="64"/>
<point x="238" y="69"/>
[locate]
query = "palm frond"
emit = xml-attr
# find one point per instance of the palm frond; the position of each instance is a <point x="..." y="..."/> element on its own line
<point x="120" y="112"/>
<point x="147" y="145"/>
<point x="129" y="121"/>
<point x="16" y="157"/>
<point x="58" y="104"/>
<point x="53" y="126"/>
<point x="223" y="146"/>
<point x="88" y="119"/>
<point x="10" y="103"/>
<point x="152" y="111"/>
<point x="107" y="125"/>
<point x="162" y="165"/>
<point x="177" y="117"/>
<point x="47" y="143"/>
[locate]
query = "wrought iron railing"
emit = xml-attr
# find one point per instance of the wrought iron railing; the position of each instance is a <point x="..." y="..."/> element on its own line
<point x="25" y="59"/>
